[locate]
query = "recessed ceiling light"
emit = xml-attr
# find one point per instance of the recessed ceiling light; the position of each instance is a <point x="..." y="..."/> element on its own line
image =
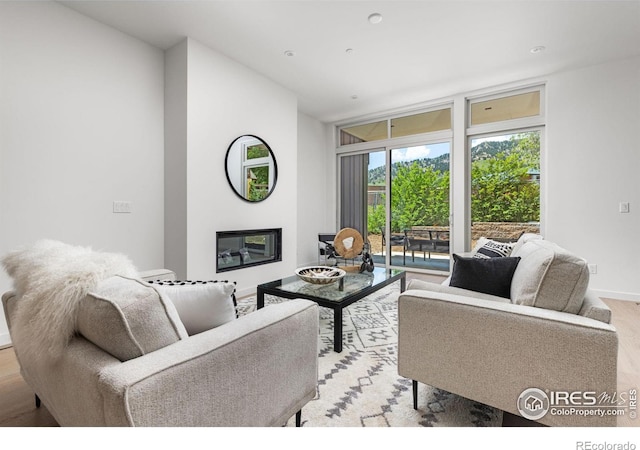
<point x="538" y="49"/>
<point x="375" y="18"/>
<point x="290" y="53"/>
<point x="349" y="51"/>
<point x="354" y="97"/>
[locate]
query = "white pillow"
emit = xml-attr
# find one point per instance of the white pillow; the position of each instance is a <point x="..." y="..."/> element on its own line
<point x="201" y="305"/>
<point x="524" y="238"/>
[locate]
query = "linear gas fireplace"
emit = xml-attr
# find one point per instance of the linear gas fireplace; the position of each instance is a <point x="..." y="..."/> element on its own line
<point x="246" y="248"/>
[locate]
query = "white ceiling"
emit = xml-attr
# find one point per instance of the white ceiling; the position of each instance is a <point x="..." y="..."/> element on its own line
<point x="421" y="51"/>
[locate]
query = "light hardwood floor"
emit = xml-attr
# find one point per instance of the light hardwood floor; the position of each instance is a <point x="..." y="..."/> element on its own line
<point x="626" y="319"/>
<point x="17" y="406"/>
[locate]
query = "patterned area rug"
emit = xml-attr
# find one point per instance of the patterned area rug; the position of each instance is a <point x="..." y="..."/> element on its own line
<point x="360" y="387"/>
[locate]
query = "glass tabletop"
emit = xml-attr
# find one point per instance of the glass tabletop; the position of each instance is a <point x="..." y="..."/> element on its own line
<point x="354" y="283"/>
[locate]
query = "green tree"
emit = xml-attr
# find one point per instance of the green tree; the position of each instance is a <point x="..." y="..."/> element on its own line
<point x="502" y="190"/>
<point x="376" y="220"/>
<point x="527" y="147"/>
<point x="504" y="187"/>
<point x="419" y="196"/>
<point x="260" y="185"/>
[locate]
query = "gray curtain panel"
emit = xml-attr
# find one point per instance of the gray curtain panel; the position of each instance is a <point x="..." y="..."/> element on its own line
<point x="353" y="194"/>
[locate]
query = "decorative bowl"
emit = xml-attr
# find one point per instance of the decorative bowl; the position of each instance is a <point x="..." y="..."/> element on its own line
<point x="320" y="274"/>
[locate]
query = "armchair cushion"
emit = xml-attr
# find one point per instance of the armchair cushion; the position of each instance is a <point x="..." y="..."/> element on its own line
<point x="201" y="305"/>
<point x="128" y="318"/>
<point x="550" y="277"/>
<point x="487" y="275"/>
<point x="445" y="288"/>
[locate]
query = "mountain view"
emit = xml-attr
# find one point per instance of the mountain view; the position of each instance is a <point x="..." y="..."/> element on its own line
<point x="502" y="186"/>
<point x="441" y="163"/>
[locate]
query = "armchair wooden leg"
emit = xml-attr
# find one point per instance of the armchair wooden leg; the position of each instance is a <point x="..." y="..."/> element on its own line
<point x="37" y="401"/>
<point x="415" y="394"/>
<point x="298" y="418"/>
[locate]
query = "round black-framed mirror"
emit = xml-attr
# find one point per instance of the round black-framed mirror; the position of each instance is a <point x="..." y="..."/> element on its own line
<point x="251" y="168"/>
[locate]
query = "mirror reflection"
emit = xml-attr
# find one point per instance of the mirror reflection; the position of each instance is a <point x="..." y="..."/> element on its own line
<point x="251" y="168"/>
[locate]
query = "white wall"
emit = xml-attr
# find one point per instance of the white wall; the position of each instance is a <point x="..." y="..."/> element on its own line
<point x="175" y="159"/>
<point x="226" y="100"/>
<point x="315" y="187"/>
<point x="593" y="164"/>
<point x="81" y="125"/>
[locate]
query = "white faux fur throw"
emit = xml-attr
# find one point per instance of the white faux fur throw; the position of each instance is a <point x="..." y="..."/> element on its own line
<point x="50" y="278"/>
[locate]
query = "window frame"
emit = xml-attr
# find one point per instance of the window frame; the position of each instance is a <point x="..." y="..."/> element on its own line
<point x="402" y="140"/>
<point x="505" y="125"/>
<point x="460" y="136"/>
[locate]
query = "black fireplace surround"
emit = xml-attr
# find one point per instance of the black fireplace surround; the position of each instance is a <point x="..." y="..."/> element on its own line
<point x="246" y="248"/>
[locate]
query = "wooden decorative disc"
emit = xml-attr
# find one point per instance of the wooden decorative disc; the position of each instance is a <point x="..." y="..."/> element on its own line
<point x="348" y="243"/>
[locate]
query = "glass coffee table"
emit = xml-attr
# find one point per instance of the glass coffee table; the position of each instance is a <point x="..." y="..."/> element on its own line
<point x="337" y="296"/>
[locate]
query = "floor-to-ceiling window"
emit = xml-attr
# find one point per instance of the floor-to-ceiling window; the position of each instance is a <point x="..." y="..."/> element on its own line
<point x="404" y="186"/>
<point x="505" y="165"/>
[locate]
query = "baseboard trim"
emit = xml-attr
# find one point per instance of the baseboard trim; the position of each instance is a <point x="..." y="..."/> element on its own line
<point x="246" y="292"/>
<point x="615" y="295"/>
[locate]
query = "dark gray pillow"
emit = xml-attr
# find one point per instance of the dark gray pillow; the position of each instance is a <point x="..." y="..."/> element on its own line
<point x="489" y="276"/>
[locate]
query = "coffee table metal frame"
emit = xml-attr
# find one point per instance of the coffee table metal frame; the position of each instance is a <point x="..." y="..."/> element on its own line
<point x="275" y="288"/>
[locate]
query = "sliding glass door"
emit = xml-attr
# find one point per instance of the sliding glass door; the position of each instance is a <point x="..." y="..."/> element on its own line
<point x="405" y="221"/>
<point x="419" y="219"/>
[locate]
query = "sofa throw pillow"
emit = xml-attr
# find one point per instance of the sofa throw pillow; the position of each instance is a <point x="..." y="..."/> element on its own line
<point x="550" y="277"/>
<point x="488" y="248"/>
<point x="201" y="305"/>
<point x="487" y="275"/>
<point x="127" y="318"/>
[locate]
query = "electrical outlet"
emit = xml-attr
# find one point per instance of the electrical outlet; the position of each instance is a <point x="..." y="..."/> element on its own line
<point x="593" y="268"/>
<point x="122" y="207"/>
<point x="624" y="207"/>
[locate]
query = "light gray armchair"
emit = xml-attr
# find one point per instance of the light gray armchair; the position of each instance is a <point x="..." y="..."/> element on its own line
<point x="492" y="349"/>
<point x="257" y="370"/>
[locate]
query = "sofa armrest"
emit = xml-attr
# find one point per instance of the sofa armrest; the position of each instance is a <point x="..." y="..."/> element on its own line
<point x="8" y="299"/>
<point x="258" y="370"/>
<point x="491" y="352"/>
<point x="594" y="308"/>
<point x="158" y="274"/>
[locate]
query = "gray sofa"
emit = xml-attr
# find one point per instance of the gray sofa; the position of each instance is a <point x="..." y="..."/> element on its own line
<point x="552" y="335"/>
<point x="257" y="370"/>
